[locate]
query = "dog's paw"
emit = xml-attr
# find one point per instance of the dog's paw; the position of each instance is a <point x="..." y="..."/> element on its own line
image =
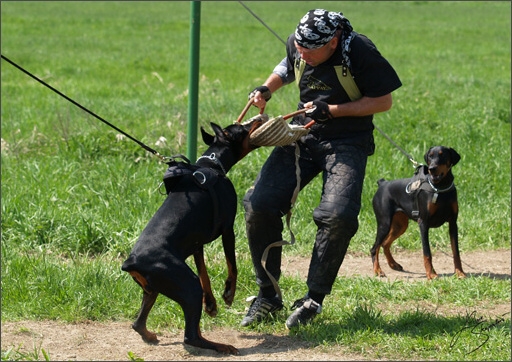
<point x="210" y="305"/>
<point x="151" y="339"/>
<point x="460" y="274"/>
<point x="227" y="349"/>
<point x="229" y="292"/>
<point x="211" y="309"/>
<point x="148" y="337"/>
<point x="379" y="273"/>
<point x="396" y="266"/>
<point x="431" y="276"/>
<point x="204" y="343"/>
<point x="228" y="297"/>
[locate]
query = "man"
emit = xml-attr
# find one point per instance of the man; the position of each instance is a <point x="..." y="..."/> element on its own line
<point x="323" y="56"/>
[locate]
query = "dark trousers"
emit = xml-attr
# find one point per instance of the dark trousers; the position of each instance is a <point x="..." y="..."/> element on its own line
<point x="342" y="163"/>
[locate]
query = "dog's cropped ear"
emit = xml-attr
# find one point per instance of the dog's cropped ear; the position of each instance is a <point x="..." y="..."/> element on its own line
<point x="219" y="132"/>
<point x="207" y="138"/>
<point x="454" y="156"/>
<point x="425" y="157"/>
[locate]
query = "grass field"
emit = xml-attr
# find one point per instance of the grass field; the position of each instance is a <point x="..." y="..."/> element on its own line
<point x="75" y="196"/>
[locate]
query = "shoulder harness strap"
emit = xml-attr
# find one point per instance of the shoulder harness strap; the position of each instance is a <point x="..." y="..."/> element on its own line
<point x="347" y="82"/>
<point x="342" y="72"/>
<point x="419" y="182"/>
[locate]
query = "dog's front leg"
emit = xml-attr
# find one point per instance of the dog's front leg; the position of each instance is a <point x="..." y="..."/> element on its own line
<point x="210" y="304"/>
<point x="228" y="242"/>
<point x="427" y="254"/>
<point x="454" y="240"/>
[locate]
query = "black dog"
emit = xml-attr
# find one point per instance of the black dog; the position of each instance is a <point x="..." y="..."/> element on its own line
<point x="429" y="197"/>
<point x="200" y="206"/>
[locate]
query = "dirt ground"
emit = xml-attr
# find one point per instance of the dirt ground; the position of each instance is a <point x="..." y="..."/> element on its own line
<point x="112" y="341"/>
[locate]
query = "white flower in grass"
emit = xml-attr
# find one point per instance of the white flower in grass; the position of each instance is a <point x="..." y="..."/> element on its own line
<point x="161" y="141"/>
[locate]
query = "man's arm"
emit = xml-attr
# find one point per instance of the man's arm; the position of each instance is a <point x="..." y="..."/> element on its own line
<point x="362" y="107"/>
<point x="273" y="82"/>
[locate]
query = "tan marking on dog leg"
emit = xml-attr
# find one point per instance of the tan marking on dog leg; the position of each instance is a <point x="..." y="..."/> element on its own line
<point x="140" y="280"/>
<point x="431" y="273"/>
<point x="399" y="224"/>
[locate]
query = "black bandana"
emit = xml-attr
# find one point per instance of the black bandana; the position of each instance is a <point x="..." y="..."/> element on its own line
<point x="318" y="27"/>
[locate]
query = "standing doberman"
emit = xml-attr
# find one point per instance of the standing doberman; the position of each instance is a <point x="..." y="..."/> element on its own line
<point x="200" y="206"/>
<point x="429" y="197"/>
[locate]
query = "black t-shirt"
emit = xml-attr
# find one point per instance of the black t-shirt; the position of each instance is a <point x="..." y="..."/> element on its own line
<point x="372" y="73"/>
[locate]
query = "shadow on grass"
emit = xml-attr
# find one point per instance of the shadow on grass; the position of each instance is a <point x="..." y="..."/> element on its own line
<point x="468" y="332"/>
<point x="267" y="344"/>
<point x="421" y="325"/>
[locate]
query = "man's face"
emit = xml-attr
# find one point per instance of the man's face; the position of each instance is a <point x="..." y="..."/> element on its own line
<point x="317" y="56"/>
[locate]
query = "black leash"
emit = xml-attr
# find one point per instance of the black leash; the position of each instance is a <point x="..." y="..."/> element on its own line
<point x="262" y="22"/>
<point x="147" y="148"/>
<point x="414" y="163"/>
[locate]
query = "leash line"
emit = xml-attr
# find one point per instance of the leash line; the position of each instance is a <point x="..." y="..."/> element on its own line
<point x="414" y="163"/>
<point x="262" y="22"/>
<point x="147" y="148"/>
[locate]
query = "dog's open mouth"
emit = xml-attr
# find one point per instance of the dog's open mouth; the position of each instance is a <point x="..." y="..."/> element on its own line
<point x="437" y="177"/>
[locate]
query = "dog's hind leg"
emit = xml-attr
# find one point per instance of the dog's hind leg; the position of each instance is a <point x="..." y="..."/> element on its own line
<point x="148" y="300"/>
<point x="183" y="286"/>
<point x="386" y="234"/>
<point x="382" y="232"/>
<point x="375" y="259"/>
<point x="398" y="226"/>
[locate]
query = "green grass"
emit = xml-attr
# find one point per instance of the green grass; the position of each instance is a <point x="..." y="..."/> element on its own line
<point x="75" y="197"/>
<point x="37" y="354"/>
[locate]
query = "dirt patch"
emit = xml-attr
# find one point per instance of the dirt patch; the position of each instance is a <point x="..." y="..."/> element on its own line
<point x="494" y="264"/>
<point x="113" y="341"/>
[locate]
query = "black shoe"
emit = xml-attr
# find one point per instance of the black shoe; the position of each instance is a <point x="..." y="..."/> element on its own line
<point x="305" y="310"/>
<point x="260" y="309"/>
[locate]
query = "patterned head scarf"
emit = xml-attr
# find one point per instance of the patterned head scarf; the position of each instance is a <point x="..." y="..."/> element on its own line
<point x="319" y="26"/>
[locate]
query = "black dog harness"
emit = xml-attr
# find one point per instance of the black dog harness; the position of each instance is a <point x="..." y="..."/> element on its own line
<point x="203" y="177"/>
<point x="421" y="181"/>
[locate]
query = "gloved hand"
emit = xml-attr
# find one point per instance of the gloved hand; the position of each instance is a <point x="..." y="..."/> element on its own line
<point x="265" y="92"/>
<point x="321" y="113"/>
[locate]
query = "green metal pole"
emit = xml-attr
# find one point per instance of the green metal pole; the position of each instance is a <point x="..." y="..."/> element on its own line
<point x="193" y="84"/>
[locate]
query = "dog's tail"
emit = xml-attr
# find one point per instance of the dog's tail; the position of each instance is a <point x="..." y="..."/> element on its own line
<point x="128" y="265"/>
<point x="381" y="181"/>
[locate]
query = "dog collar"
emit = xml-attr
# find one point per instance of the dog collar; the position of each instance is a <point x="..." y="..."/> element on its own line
<point x="215" y="160"/>
<point x="436" y="189"/>
<point x="415" y="186"/>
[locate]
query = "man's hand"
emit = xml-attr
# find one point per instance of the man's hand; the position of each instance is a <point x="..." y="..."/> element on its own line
<point x="320" y="111"/>
<point x="265" y="93"/>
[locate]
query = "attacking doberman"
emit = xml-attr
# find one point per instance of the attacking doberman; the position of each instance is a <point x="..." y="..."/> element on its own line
<point x="429" y="197"/>
<point x="200" y="206"/>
